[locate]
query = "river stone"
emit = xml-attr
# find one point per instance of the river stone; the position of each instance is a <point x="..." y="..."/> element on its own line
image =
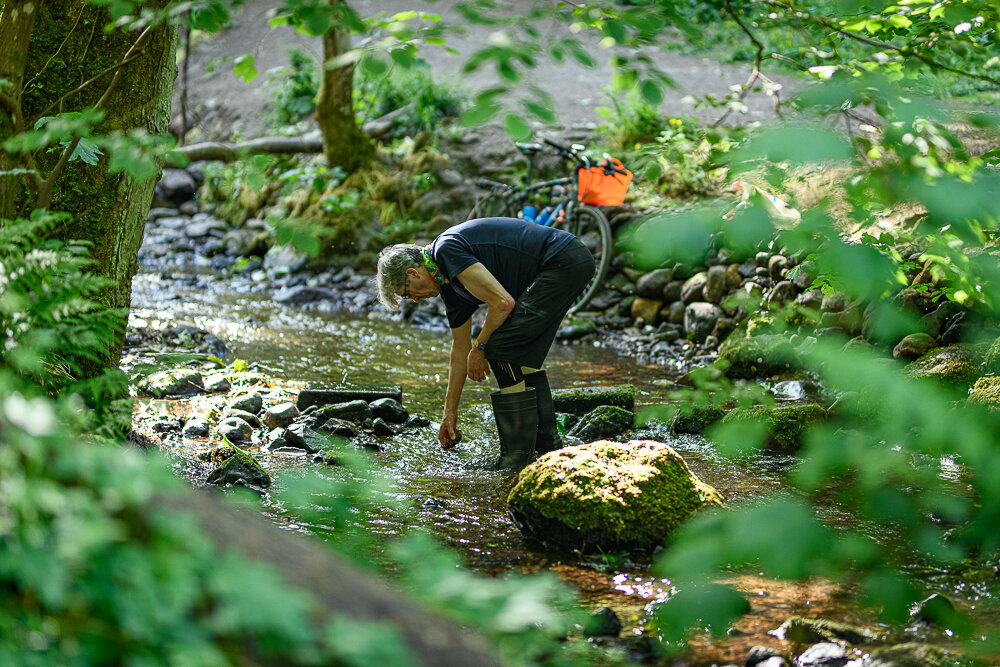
<point x="780" y="293"/>
<point x="607" y="495"/>
<point x="758" y="655"/>
<point x="577" y="328"/>
<point x="338" y="427"/>
<point x="331" y="394"/>
<point x="914" y="346"/>
<point x="603" y="622"/>
<point x="913" y="654"/>
<point x="695" y="418"/>
<point x="694" y="288"/>
<point x="217" y="383"/>
<point x="833" y="303"/>
<point x="196" y="427"/>
<point x="716" y="284"/>
<point x="353" y="411"/>
<point x="381" y="428"/>
<point x="170" y="383"/>
<point x="240" y="468"/>
<point x="248" y="417"/>
<point x="672" y="291"/>
<point x="986" y="392"/>
<point x="676" y="316"/>
<point x="202" y="228"/>
<point x="417" y="421"/>
<point x="303" y="437"/>
<point x="646" y="310"/>
<point x="827" y="654"/>
<point x="777" y="265"/>
<point x="301" y="294"/>
<point x="700" y="319"/>
<point x="604" y="421"/>
<point x="251" y="403"/>
<point x="757" y="356"/>
<point x="234" y="429"/>
<point x="786" y="424"/>
<point x="800" y="630"/>
<point x="953" y="366"/>
<point x="582" y="400"/>
<point x="285" y="259"/>
<point x="390" y="410"/>
<point x="280" y="416"/>
<point x="651" y="284"/>
<point x="175" y="187"/>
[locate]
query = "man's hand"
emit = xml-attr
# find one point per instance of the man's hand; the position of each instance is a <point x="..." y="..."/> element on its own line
<point x="449" y="434"/>
<point x="478" y="367"/>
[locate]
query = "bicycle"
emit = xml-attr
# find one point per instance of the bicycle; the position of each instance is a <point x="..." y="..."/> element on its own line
<point x="562" y="203"/>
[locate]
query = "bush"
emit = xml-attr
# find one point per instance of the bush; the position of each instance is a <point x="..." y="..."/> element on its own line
<point x="294" y="88"/>
<point x="426" y="103"/>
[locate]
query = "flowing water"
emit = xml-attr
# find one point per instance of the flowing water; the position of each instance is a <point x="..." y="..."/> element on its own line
<point x="465" y="507"/>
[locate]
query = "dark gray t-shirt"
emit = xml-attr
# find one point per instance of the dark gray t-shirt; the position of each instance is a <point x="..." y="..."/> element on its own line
<point x="512" y="250"/>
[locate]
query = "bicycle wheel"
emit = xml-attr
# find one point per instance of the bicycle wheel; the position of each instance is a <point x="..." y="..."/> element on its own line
<point x="590" y="226"/>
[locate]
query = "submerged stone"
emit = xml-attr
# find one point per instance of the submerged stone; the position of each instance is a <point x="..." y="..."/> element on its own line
<point x="799" y="630"/>
<point x="955" y="366"/>
<point x="695" y="418"/>
<point x="607" y="495"/>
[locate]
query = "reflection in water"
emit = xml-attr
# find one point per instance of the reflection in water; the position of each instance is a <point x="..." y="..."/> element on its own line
<point x="464" y="506"/>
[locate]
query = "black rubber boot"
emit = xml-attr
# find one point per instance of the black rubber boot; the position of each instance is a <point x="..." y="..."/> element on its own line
<point x="517" y="426"/>
<point x="548" y="439"/>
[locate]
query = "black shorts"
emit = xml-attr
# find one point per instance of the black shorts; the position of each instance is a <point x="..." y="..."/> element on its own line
<point x="527" y="334"/>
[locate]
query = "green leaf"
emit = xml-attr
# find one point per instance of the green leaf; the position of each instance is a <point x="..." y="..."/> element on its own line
<point x="542" y="111"/>
<point x="798" y="144"/>
<point x="244" y="68"/>
<point x="479" y="113"/>
<point x="651" y="93"/>
<point x="516" y="127"/>
<point x="87" y="151"/>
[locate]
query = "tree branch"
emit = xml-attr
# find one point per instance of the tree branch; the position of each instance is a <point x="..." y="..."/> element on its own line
<point x="83" y="85"/>
<point x="755" y="73"/>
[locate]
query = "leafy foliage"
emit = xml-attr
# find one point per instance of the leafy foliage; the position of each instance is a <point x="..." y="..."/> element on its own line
<point x="422" y="102"/>
<point x="295" y="88"/>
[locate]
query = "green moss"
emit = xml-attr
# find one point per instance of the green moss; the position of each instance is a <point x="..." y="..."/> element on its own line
<point x="986" y="392"/>
<point x="757" y="356"/>
<point x="956" y="366"/>
<point x="786" y="424"/>
<point x="991" y="360"/>
<point x="631" y="494"/>
<point x="581" y="400"/>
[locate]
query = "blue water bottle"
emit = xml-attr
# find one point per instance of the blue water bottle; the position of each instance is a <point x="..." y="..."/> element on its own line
<point x="528" y="213"/>
<point x="543" y="217"/>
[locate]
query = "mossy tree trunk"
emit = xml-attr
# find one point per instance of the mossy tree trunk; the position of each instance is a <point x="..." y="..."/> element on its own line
<point x="68" y="47"/>
<point x="16" y="20"/>
<point x="344" y="144"/>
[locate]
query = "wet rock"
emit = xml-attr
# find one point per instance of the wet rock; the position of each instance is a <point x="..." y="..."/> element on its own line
<point x="695" y="418"/>
<point x="694" y="288"/>
<point x="913" y="654"/>
<point x="280" y="416"/>
<point x="812" y="299"/>
<point x="285" y="259"/>
<point x="417" y="421"/>
<point x="248" y="417"/>
<point x="676" y="315"/>
<point x="936" y="322"/>
<point x="171" y="383"/>
<point x="757" y="356"/>
<point x="833" y="303"/>
<point x="607" y="495"/>
<point x="164" y="425"/>
<point x="761" y="654"/>
<point x="302" y="437"/>
<point x="786" y="424"/>
<point x="202" y="228"/>
<point x="914" y="346"/>
<point x="381" y="428"/>
<point x="780" y="293"/>
<point x="799" y="630"/>
<point x="795" y="390"/>
<point x="915" y="300"/>
<point x="605" y="421"/>
<point x="651" y="285"/>
<point x="251" y="402"/>
<point x="672" y="291"/>
<point x="197" y="427"/>
<point x="646" y="310"/>
<point x="584" y="399"/>
<point x="390" y="410"/>
<point x="939" y="611"/>
<point x="700" y="319"/>
<point x="716" y="284"/>
<point x="194" y="338"/>
<point x="303" y="294"/>
<point x="603" y="622"/>
<point x="240" y="468"/>
<point x="953" y="366"/>
<point x="338" y="427"/>
<point x="577" y="328"/>
<point x="175" y="187"/>
<point x="352" y="411"/>
<point x="217" y="383"/>
<point x="986" y="391"/>
<point x="234" y="429"/>
<point x="826" y="654"/>
<point x="331" y="394"/>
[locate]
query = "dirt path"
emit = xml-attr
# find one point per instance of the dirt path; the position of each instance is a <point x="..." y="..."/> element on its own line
<point x="226" y="104"/>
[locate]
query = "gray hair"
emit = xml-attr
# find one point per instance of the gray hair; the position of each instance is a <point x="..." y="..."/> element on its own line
<point x="393" y="262"/>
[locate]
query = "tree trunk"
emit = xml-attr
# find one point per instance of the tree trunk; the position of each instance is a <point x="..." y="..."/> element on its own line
<point x="68" y="47"/>
<point x="15" y="27"/>
<point x="344" y="143"/>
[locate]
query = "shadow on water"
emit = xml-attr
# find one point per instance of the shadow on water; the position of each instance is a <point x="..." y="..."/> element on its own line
<point x="463" y="506"/>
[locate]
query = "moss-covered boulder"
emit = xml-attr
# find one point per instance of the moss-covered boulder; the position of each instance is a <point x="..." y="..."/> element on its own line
<point x="914" y="654"/>
<point x="757" y="356"/>
<point x="237" y="468"/>
<point x="581" y="400"/>
<point x="607" y="495"/>
<point x="172" y="383"/>
<point x="986" y="392"/>
<point x="954" y="366"/>
<point x="604" y="421"/>
<point x="695" y="418"/>
<point x="786" y="424"/>
<point x="991" y="360"/>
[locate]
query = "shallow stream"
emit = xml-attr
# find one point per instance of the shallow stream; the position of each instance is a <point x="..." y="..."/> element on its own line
<point x="465" y="507"/>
